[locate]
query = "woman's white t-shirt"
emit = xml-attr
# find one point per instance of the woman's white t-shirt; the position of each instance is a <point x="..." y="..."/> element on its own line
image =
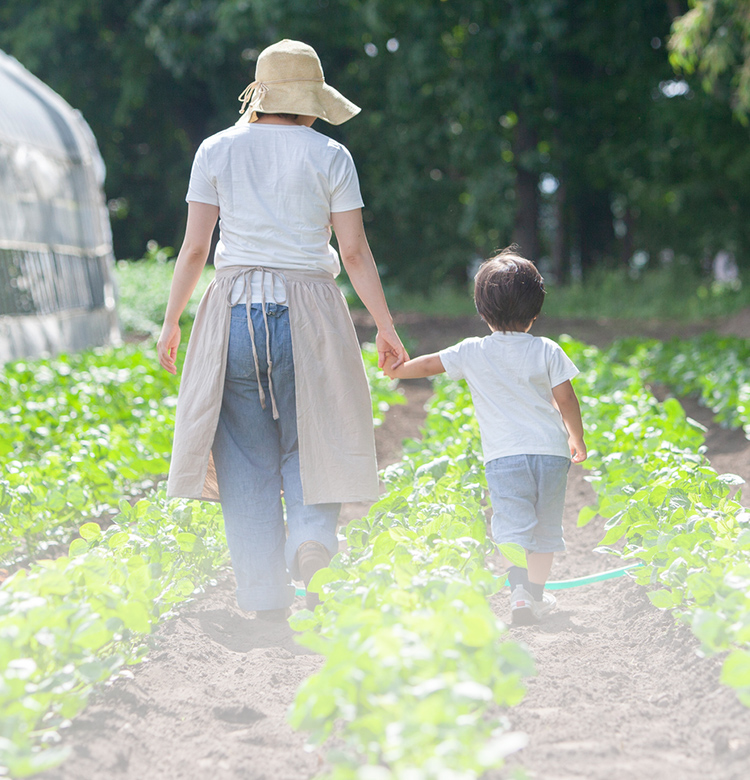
<point x="276" y="187"/>
<point x="511" y="376"/>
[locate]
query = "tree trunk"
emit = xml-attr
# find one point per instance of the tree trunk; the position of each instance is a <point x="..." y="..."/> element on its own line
<point x="560" y="249"/>
<point x="525" y="232"/>
<point x="595" y="228"/>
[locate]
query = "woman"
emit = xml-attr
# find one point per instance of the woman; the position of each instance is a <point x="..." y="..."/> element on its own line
<point x="273" y="394"/>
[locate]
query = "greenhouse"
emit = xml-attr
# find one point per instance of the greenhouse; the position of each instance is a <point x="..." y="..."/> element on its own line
<point x="56" y="288"/>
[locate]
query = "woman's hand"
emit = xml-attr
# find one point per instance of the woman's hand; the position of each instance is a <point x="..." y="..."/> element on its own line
<point x="387" y="343"/>
<point x="418" y="368"/>
<point x="166" y="346"/>
<point x="388" y="367"/>
<point x="187" y="271"/>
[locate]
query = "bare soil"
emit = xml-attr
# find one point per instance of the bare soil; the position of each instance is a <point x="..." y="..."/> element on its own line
<point x="620" y="691"/>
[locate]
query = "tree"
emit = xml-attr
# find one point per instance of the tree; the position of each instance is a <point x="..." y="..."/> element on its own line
<point x="556" y="123"/>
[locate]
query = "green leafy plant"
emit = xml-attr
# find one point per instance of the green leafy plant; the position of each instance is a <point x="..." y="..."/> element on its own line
<point x="663" y="503"/>
<point x="69" y="623"/>
<point x="714" y="368"/>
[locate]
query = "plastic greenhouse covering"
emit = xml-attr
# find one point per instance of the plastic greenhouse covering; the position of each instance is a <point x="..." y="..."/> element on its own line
<point x="56" y="290"/>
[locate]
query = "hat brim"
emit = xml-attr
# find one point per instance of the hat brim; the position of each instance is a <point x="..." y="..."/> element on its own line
<point x="318" y="100"/>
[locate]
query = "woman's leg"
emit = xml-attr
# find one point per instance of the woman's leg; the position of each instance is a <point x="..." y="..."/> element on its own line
<point x="305" y="523"/>
<point x="247" y="455"/>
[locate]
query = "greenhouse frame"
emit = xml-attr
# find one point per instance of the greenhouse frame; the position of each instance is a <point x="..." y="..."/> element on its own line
<point x="56" y="285"/>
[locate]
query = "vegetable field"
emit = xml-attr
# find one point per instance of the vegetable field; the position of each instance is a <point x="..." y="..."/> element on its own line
<point x="407" y="669"/>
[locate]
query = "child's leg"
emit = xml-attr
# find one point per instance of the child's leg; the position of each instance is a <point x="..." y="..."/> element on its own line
<point x="534" y="577"/>
<point x="513" y="494"/>
<point x="540" y="565"/>
<point x="551" y="474"/>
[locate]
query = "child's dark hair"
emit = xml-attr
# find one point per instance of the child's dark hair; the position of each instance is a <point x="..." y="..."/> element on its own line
<point x="508" y="291"/>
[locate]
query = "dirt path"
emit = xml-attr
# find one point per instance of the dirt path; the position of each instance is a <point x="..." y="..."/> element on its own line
<point x="621" y="692"/>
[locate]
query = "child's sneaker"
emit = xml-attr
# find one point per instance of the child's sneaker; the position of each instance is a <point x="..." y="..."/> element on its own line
<point x="521" y="607"/>
<point x="544" y="606"/>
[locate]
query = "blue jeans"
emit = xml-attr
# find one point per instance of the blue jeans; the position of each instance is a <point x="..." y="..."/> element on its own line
<point x="528" y="496"/>
<point x="256" y="457"/>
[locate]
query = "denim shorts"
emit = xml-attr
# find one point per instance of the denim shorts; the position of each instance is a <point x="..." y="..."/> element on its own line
<point x="528" y="496"/>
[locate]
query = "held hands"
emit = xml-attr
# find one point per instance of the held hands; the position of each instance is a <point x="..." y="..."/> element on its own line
<point x="390" y="349"/>
<point x="166" y="346"/>
<point x="577" y="449"/>
<point x="391" y="368"/>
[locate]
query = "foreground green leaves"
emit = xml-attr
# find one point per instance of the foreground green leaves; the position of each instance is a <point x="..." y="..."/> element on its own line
<point x="69" y="623"/>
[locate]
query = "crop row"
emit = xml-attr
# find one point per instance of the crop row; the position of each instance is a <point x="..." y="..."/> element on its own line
<point x="666" y="507"/>
<point x="714" y="368"/>
<point x="69" y="623"/>
<point x="411" y="593"/>
<point x="418" y="669"/>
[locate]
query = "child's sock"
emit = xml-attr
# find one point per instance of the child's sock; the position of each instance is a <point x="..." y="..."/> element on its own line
<point x="536" y="590"/>
<point x="518" y="576"/>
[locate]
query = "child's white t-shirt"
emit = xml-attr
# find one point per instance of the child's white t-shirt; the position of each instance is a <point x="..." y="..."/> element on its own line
<point x="276" y="187"/>
<point x="511" y="376"/>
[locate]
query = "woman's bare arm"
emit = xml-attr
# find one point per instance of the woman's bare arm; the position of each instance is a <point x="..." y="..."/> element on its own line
<point x="187" y="270"/>
<point x="359" y="263"/>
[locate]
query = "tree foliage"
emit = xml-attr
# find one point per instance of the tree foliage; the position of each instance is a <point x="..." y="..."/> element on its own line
<point x="555" y="123"/>
<point x="713" y="40"/>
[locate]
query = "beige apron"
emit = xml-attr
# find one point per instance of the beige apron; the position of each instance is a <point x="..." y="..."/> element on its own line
<point x="334" y="408"/>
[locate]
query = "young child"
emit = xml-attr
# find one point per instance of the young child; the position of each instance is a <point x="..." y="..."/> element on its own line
<point x="529" y="420"/>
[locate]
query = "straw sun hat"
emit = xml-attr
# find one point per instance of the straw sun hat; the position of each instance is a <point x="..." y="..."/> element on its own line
<point x="289" y="80"/>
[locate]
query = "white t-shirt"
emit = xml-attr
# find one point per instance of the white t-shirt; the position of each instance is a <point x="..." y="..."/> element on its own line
<point x="276" y="187"/>
<point x="511" y="376"/>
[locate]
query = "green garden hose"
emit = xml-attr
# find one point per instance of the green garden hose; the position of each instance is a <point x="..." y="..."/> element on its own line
<point x="605" y="575"/>
<point x="563" y="584"/>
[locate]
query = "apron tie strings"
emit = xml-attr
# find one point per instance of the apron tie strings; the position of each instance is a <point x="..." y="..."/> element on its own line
<point x="274" y="410"/>
<point x="246" y="277"/>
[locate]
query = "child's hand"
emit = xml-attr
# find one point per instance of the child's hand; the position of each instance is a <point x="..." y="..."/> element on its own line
<point x="388" y="366"/>
<point x="577" y="450"/>
<point x="419" y="367"/>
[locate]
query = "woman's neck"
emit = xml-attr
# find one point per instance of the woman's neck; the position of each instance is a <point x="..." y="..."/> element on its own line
<point x="275" y="119"/>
